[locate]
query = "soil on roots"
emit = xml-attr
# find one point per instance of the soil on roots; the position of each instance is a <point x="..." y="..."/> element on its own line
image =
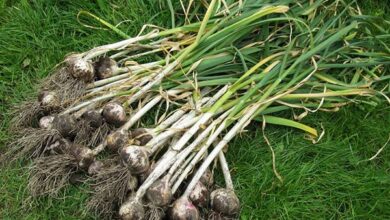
<point x="110" y="189"/>
<point x="30" y="143"/>
<point x="49" y="175"/>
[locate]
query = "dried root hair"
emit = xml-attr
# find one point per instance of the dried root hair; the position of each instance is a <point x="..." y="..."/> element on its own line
<point x="99" y="135"/>
<point x="71" y="91"/>
<point x="84" y="133"/>
<point x="154" y="212"/>
<point x="28" y="113"/>
<point x="110" y="189"/>
<point x="66" y="87"/>
<point x="49" y="175"/>
<point x="30" y="143"/>
<point x="89" y="136"/>
<point x="25" y="115"/>
<point x="56" y="79"/>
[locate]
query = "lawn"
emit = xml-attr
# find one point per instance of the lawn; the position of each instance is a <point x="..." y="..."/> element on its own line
<point x="333" y="179"/>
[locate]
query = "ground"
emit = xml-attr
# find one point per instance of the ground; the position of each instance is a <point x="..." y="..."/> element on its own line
<point x="332" y="179"/>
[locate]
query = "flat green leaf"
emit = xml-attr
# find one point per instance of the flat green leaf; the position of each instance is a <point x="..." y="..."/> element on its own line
<point x="288" y="123"/>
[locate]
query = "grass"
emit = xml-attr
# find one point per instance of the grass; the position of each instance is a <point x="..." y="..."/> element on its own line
<point x="330" y="180"/>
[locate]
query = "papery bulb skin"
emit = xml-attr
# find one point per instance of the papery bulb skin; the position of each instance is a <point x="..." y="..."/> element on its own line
<point x="105" y="67"/>
<point x="93" y="117"/>
<point x="48" y="99"/>
<point x="95" y="167"/>
<point x="46" y="122"/>
<point x="225" y="201"/>
<point x="117" y="140"/>
<point x="207" y="178"/>
<point x="159" y="193"/>
<point x="141" y="136"/>
<point x="199" y="195"/>
<point x="83" y="155"/>
<point x="66" y="125"/>
<point x="60" y="146"/>
<point x="132" y="210"/>
<point x="80" y="68"/>
<point x="132" y="183"/>
<point x="114" y="114"/>
<point x="135" y="158"/>
<point x="142" y="177"/>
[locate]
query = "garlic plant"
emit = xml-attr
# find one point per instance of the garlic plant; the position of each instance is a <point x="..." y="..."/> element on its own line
<point x="241" y="63"/>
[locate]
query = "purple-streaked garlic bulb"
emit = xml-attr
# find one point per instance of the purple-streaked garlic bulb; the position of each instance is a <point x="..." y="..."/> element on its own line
<point x="183" y="209"/>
